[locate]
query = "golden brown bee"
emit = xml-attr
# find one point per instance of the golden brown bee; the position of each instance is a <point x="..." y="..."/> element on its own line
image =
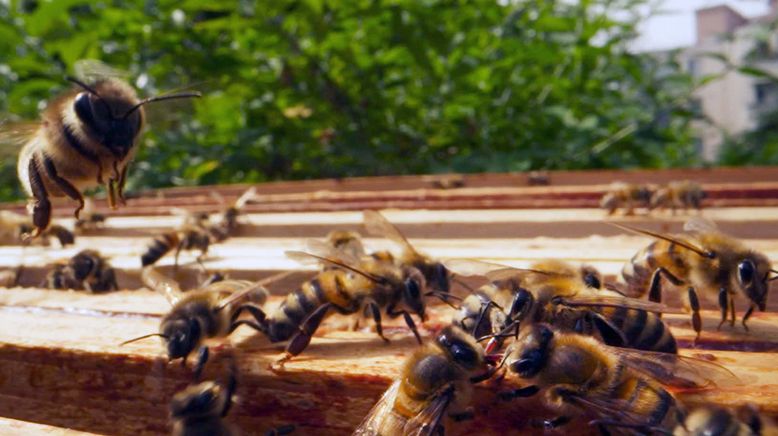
<point x="702" y="259"/>
<point x="86" y="138"/>
<point x="678" y="195"/>
<point x="558" y="293"/>
<point x="626" y="196"/>
<point x="434" y="382"/>
<point x="87" y="270"/>
<point x="200" y="409"/>
<point x="618" y="387"/>
<point x="361" y="287"/>
<point x="714" y="420"/>
<point x="209" y="312"/>
<point x="187" y="237"/>
<point x="437" y="276"/>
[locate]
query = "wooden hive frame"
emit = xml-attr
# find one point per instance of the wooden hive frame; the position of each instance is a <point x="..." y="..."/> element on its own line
<point x="61" y="365"/>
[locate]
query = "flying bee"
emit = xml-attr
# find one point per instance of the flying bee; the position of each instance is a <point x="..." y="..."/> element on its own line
<point x="87" y="270"/>
<point x="86" y="138"/>
<point x="201" y="409"/>
<point x="228" y="222"/>
<point x="617" y="387"/>
<point x="678" y="195"/>
<point x="435" y="381"/>
<point x="437" y="276"/>
<point x="563" y="295"/>
<point x="702" y="259"/>
<point x="186" y="237"/>
<point x="349" y="289"/>
<point x="714" y="420"/>
<point x="201" y="314"/>
<point x="626" y="196"/>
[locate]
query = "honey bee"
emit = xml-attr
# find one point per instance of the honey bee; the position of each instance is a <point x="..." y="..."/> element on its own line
<point x="434" y="381"/>
<point x="13" y="228"/>
<point x="678" y="195"/>
<point x="186" y="237"/>
<point x="563" y="295"/>
<point x="346" y="289"/>
<point x="200" y="409"/>
<point x="615" y="386"/>
<point x="702" y="259"/>
<point x="228" y="223"/>
<point x="626" y="196"/>
<point x="201" y="314"/>
<point x="437" y="276"/>
<point x="86" y="138"/>
<point x="714" y="420"/>
<point x="87" y="270"/>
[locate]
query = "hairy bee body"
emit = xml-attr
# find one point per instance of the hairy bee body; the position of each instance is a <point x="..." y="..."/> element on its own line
<point x="86" y="138"/>
<point x="702" y="260"/>
<point x="577" y="376"/>
<point x="434" y="381"/>
<point x="199" y="410"/>
<point x="188" y="237"/>
<point x="87" y="270"/>
<point x="160" y="246"/>
<point x="626" y="196"/>
<point x="642" y="330"/>
<point x="678" y="195"/>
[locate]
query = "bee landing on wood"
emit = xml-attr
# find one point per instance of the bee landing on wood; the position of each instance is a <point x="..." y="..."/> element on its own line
<point x="701" y="260"/>
<point x="87" y="137"/>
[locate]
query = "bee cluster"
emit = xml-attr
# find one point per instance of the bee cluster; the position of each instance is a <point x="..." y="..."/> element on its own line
<point x="590" y="351"/>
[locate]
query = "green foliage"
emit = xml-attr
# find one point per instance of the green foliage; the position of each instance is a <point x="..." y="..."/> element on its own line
<point x="316" y="88"/>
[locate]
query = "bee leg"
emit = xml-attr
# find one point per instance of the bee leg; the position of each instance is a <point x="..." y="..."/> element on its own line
<point x="63" y="184"/>
<point x="303" y="337"/>
<point x="655" y="291"/>
<point x="409" y="322"/>
<point x="232" y="384"/>
<point x="694" y="303"/>
<point x="524" y="392"/>
<point x="747" y="315"/>
<point x="202" y="357"/>
<point x="376" y="312"/>
<point x="256" y="312"/>
<point x="179" y="247"/>
<point x="731" y="311"/>
<point x="723" y="303"/>
<point x="120" y="185"/>
<point x="41" y="212"/>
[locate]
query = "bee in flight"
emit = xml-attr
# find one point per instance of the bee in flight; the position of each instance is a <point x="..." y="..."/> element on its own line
<point x="437" y="276"/>
<point x="434" y="382"/>
<point x="350" y="288"/>
<point x="561" y="294"/>
<point x="87" y="137"/>
<point x="228" y="221"/>
<point x="626" y="196"/>
<point x="87" y="270"/>
<point x="701" y="260"/>
<point x="201" y="314"/>
<point x="616" y="387"/>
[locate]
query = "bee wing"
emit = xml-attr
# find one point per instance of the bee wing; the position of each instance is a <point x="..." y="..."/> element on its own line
<point x="13" y="135"/>
<point x="376" y="420"/>
<point x="699" y="224"/>
<point x="425" y="423"/>
<point x="323" y="249"/>
<point x="246" y="197"/>
<point x="606" y="407"/>
<point x="93" y="69"/>
<point x="618" y="301"/>
<point x="377" y="225"/>
<point x="492" y="271"/>
<point x="674" y="370"/>
<point x="238" y="290"/>
<point x="308" y="258"/>
<point x="162" y="284"/>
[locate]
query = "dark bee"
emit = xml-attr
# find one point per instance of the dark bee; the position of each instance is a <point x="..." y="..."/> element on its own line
<point x="87" y="270"/>
<point x="188" y="237"/>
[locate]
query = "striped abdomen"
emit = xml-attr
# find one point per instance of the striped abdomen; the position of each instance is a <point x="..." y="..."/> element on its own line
<point x="642" y="330"/>
<point x="285" y="321"/>
<point x="636" y="274"/>
<point x="159" y="247"/>
<point x="648" y="400"/>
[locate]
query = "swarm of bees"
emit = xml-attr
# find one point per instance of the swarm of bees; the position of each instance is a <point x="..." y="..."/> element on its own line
<point x="589" y="351"/>
<point x="677" y="195"/>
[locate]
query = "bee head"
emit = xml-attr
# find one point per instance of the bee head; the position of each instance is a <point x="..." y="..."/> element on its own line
<point x="181" y="337"/>
<point x="752" y="279"/>
<point x="83" y="263"/>
<point x="532" y="349"/>
<point x="438" y="277"/>
<point x="460" y="347"/>
<point x="591" y="277"/>
<point x="201" y="400"/>
<point x="522" y="301"/>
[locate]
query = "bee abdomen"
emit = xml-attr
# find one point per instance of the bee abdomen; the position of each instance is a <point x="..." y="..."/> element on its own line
<point x="295" y="309"/>
<point x="642" y="330"/>
<point x="159" y="247"/>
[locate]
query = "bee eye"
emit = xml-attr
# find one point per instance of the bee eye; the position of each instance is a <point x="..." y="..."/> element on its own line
<point x="592" y="280"/>
<point x="462" y="353"/>
<point x="412" y="289"/>
<point x="746" y="271"/>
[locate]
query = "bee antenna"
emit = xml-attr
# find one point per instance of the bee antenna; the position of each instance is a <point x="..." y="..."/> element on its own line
<point x="161" y="98"/>
<point x="143" y="337"/>
<point x="82" y="84"/>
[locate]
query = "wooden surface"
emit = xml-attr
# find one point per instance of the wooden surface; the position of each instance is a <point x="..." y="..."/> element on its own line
<point x="61" y="364"/>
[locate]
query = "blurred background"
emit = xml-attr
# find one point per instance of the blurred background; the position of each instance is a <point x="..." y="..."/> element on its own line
<point x="315" y="88"/>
